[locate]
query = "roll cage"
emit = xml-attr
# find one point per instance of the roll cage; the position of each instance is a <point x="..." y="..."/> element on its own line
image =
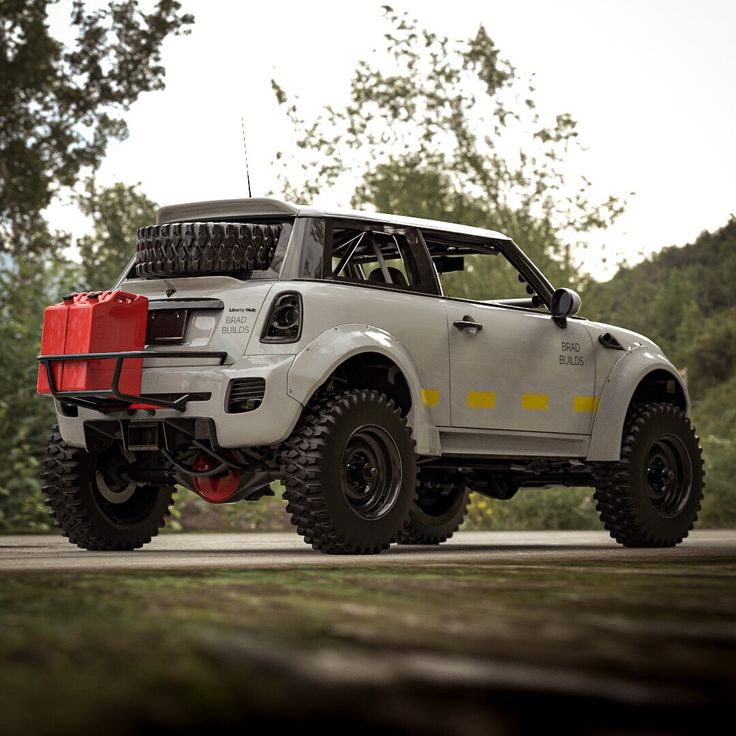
<point x="348" y="247"/>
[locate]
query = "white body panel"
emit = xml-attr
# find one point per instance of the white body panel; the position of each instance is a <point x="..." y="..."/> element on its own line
<point x="521" y="372"/>
<point x="268" y="425"/>
<point x="229" y="329"/>
<point x="409" y="329"/>
<point x="317" y="361"/>
<point x="621" y="383"/>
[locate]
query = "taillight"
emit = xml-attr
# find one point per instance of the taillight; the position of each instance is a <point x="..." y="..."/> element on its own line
<point x="284" y="323"/>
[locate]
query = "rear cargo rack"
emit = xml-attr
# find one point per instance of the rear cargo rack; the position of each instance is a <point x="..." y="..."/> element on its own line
<point x="99" y="399"/>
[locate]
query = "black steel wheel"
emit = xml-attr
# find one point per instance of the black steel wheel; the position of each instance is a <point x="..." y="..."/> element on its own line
<point x="371" y="472"/>
<point x="669" y="475"/>
<point x="93" y="507"/>
<point x="350" y="473"/>
<point x="438" y="512"/>
<point x="652" y="496"/>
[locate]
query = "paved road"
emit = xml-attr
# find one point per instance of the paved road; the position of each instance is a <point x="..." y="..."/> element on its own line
<point x="271" y="550"/>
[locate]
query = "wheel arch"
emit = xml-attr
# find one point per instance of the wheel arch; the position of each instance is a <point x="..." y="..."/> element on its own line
<point x="640" y="376"/>
<point x="365" y="357"/>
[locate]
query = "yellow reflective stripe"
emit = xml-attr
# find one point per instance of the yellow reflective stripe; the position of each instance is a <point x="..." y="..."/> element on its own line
<point x="481" y="399"/>
<point x="584" y="403"/>
<point x="430" y="396"/>
<point x="535" y="401"/>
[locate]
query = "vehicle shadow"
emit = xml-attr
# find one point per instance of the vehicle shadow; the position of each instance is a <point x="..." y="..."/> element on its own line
<point x="424" y="551"/>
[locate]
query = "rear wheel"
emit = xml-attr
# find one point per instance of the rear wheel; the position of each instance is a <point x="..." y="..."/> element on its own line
<point x="95" y="509"/>
<point x="350" y="473"/>
<point x="437" y="513"/>
<point x="652" y="496"/>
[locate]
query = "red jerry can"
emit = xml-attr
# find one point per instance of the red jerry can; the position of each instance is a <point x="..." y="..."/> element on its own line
<point x="105" y="322"/>
<point x="95" y="322"/>
<point x="53" y="341"/>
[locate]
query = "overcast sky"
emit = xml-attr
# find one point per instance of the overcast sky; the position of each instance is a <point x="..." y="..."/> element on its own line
<point x="651" y="84"/>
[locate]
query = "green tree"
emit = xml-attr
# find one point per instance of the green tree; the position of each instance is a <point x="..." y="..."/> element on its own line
<point x="403" y="186"/>
<point x="715" y="419"/>
<point x="26" y="287"/>
<point x="116" y="212"/>
<point x="683" y="298"/>
<point x="25" y="419"/>
<point x="447" y="130"/>
<point x="60" y="104"/>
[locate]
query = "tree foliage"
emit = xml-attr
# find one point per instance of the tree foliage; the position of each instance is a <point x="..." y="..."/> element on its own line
<point x="683" y="298"/>
<point x="26" y="287"/>
<point x="25" y="419"/>
<point x="61" y="104"/>
<point x="116" y="212"/>
<point x="446" y="129"/>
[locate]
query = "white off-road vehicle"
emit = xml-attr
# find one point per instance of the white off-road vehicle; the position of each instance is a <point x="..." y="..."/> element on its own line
<point x="362" y="361"/>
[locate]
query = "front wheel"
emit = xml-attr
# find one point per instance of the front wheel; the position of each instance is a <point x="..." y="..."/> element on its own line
<point x="350" y="473"/>
<point x="95" y="511"/>
<point x="652" y="496"/>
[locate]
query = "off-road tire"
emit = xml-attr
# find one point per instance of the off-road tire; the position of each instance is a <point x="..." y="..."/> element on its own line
<point x="313" y="463"/>
<point x="84" y="516"/>
<point x="436" y="514"/>
<point x="193" y="248"/>
<point x="633" y="503"/>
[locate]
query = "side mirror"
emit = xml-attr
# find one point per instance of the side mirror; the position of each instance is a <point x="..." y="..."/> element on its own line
<point x="565" y="303"/>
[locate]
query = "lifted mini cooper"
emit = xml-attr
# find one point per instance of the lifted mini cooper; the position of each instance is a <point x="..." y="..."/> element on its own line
<point x="380" y="367"/>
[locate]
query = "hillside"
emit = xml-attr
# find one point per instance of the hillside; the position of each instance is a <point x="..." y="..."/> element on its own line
<point x="684" y="298"/>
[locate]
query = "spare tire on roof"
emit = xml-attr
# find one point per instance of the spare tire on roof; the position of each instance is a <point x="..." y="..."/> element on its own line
<point x="196" y="248"/>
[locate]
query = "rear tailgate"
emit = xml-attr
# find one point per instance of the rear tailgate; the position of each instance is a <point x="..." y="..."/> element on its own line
<point x="200" y="313"/>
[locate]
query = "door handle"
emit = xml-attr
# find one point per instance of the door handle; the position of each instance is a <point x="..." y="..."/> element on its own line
<point x="467" y="323"/>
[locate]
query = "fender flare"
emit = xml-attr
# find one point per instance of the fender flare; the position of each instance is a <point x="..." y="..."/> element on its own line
<point x="623" y="380"/>
<point x="317" y="361"/>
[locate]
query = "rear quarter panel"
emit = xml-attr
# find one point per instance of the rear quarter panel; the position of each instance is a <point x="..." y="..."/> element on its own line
<point x="341" y="320"/>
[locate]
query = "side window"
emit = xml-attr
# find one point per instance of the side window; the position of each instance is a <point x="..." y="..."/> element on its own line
<point x="377" y="257"/>
<point x="468" y="273"/>
<point x="312" y="249"/>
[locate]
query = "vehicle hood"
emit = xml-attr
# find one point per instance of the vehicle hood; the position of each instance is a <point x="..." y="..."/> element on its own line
<point x="628" y="339"/>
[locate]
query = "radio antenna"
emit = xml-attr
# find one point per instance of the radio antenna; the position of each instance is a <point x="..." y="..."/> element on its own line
<point x="245" y="153"/>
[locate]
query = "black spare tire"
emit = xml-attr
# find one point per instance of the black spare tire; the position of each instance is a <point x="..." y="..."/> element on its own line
<point x="195" y="248"/>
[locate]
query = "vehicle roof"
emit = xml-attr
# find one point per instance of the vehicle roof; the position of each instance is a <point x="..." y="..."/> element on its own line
<point x="265" y="207"/>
